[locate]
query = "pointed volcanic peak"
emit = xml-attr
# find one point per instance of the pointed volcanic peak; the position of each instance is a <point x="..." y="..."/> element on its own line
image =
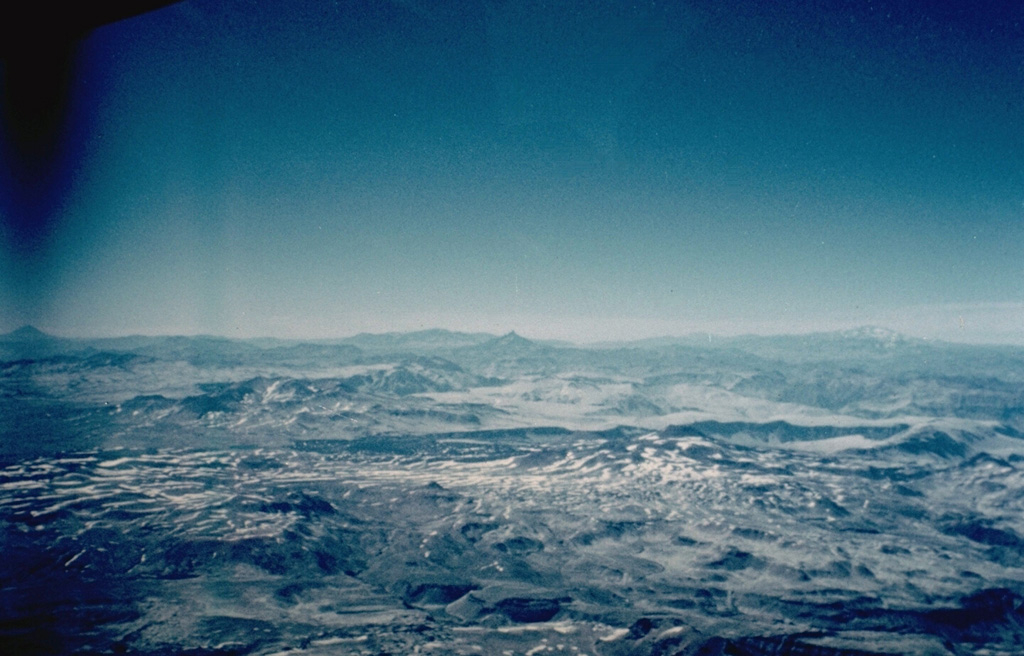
<point x="30" y="342"/>
<point x="27" y="334"/>
<point x="512" y="355"/>
<point x="512" y="344"/>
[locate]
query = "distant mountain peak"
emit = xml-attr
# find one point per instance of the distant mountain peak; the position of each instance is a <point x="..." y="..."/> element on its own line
<point x="509" y="344"/>
<point x="512" y="338"/>
<point x="27" y="334"/>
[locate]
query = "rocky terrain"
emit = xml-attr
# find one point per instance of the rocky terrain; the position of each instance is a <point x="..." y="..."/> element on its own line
<point x="833" y="495"/>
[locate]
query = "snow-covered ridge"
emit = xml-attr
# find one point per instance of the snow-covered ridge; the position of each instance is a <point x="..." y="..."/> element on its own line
<point x="531" y="539"/>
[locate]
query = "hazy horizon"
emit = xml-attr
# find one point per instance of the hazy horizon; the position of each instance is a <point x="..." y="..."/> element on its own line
<point x="577" y="171"/>
<point x="624" y="338"/>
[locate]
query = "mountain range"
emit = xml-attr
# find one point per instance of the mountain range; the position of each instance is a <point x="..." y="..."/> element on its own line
<point x="835" y="494"/>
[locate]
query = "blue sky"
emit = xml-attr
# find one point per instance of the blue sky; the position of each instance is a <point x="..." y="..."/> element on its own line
<point x="578" y="170"/>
